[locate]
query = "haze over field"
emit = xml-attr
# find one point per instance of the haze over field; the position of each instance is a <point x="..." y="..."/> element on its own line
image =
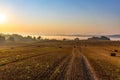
<point x="60" y="16"/>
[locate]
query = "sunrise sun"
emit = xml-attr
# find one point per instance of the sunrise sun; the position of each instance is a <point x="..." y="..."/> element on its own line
<point x="2" y="18"/>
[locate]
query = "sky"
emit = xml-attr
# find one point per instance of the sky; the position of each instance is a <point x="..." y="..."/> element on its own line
<point x="61" y="16"/>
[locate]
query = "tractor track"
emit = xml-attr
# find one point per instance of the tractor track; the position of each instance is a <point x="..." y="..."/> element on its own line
<point x="47" y="73"/>
<point x="79" y="67"/>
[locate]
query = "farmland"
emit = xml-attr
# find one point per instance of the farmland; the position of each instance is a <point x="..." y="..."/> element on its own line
<point x="106" y="67"/>
<point x="60" y="60"/>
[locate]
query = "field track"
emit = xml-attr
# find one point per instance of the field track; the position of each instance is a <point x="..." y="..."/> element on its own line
<point x="74" y="67"/>
<point x="79" y="68"/>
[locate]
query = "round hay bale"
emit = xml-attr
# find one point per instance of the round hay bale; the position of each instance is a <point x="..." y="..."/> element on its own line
<point x="113" y="54"/>
<point x="116" y="50"/>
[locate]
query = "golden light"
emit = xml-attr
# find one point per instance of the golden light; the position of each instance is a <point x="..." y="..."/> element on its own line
<point x="2" y="18"/>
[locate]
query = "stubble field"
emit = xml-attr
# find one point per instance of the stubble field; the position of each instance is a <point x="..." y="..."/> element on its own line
<point x="60" y="60"/>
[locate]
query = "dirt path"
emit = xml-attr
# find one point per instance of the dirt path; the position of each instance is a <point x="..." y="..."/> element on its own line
<point x="79" y="68"/>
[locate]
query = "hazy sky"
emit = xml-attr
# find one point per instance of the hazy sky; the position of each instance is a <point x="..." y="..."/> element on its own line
<point x="61" y="16"/>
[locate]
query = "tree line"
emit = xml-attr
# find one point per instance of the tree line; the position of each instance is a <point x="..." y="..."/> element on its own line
<point x="16" y="37"/>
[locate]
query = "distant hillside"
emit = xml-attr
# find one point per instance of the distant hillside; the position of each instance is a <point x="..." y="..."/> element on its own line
<point x="115" y="36"/>
<point x="99" y="38"/>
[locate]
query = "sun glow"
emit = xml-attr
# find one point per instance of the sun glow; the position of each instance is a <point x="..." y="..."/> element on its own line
<point x="2" y="18"/>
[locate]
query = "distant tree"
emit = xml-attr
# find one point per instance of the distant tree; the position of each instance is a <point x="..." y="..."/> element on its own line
<point x="34" y="38"/>
<point x="105" y="38"/>
<point x="76" y="39"/>
<point x="64" y="39"/>
<point x="39" y="38"/>
<point x="29" y="37"/>
<point x="11" y="38"/>
<point x="2" y="38"/>
<point x="17" y="37"/>
<point x="46" y="39"/>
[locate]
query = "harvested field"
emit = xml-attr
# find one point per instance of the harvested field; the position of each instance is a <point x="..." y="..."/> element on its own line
<point x="47" y="61"/>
